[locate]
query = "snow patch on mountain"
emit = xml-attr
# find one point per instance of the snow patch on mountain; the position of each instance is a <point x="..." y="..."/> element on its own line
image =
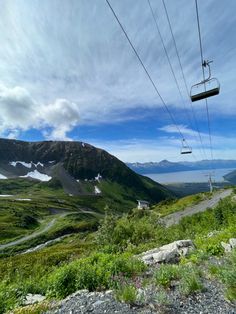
<point x="98" y="177"/>
<point x="37" y="175"/>
<point x="2" y="177"/>
<point x="97" y="190"/>
<point x="23" y="163"/>
<point x="26" y="164"/>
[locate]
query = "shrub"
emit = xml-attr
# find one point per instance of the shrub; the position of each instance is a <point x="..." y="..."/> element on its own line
<point x="165" y="274"/>
<point x="92" y="273"/>
<point x="63" y="281"/>
<point x="227" y="275"/>
<point x="127" y="293"/>
<point x="190" y="281"/>
<point x="33" y="309"/>
<point x="10" y="296"/>
<point x="162" y="298"/>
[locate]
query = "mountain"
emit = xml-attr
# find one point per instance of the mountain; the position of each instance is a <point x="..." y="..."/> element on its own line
<point x="166" y="166"/>
<point x="231" y="177"/>
<point x="80" y="168"/>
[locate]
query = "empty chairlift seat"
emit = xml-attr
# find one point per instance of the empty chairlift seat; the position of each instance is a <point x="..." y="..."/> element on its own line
<point x="185" y="149"/>
<point x="206" y="88"/>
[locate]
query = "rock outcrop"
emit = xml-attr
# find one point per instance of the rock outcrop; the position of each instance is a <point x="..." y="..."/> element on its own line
<point x="169" y="253"/>
<point x="228" y="247"/>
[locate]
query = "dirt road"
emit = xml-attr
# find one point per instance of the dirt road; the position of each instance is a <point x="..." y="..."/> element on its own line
<point x="35" y="234"/>
<point x="174" y="218"/>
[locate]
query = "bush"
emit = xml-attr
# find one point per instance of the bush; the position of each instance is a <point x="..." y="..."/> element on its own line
<point x="127" y="293"/>
<point x="227" y="275"/>
<point x="165" y="274"/>
<point x="34" y="309"/>
<point x="63" y="281"/>
<point x="214" y="249"/>
<point x="92" y="273"/>
<point x="10" y="296"/>
<point x="190" y="281"/>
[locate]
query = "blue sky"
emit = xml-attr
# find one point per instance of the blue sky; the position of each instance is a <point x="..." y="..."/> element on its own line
<point x="68" y="73"/>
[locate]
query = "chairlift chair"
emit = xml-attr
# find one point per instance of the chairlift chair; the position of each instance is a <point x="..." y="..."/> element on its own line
<point x="185" y="149"/>
<point x="206" y="88"/>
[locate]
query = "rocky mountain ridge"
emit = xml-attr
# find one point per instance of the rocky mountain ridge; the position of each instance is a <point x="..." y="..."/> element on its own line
<point x="72" y="164"/>
<point x="166" y="166"/>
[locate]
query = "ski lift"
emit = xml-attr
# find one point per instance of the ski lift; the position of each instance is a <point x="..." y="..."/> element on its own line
<point x="206" y="88"/>
<point x="185" y="149"/>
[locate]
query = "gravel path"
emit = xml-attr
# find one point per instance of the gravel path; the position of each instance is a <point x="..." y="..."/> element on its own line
<point x="174" y="218"/>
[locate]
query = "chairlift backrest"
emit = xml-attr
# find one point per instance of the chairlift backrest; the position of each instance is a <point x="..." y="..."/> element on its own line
<point x="185" y="148"/>
<point x="207" y="88"/>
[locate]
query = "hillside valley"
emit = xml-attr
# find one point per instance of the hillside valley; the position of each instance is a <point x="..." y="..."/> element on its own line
<point x="69" y="221"/>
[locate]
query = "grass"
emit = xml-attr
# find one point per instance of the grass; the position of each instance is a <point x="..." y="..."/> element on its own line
<point x="188" y="276"/>
<point x="171" y="206"/>
<point x="165" y="274"/>
<point x="127" y="294"/>
<point x="34" y="309"/>
<point x="89" y="258"/>
<point x="226" y="273"/>
<point x="190" y="281"/>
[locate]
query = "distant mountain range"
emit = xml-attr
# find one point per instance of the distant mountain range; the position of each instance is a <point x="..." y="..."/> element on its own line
<point x="231" y="177"/>
<point x="79" y="168"/>
<point x="166" y="166"/>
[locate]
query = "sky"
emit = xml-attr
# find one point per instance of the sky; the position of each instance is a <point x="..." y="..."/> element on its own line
<point x="69" y="73"/>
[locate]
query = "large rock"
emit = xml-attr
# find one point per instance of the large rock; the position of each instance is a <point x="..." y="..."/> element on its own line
<point x="228" y="247"/>
<point x="232" y="243"/>
<point x="33" y="298"/>
<point x="169" y="253"/>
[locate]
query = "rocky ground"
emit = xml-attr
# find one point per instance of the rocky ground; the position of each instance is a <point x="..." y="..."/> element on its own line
<point x="151" y="298"/>
<point x="210" y="301"/>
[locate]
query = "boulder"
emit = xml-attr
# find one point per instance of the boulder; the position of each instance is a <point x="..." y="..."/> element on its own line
<point x="33" y="298"/>
<point x="166" y="256"/>
<point x="226" y="246"/>
<point x="232" y="242"/>
<point x="169" y="253"/>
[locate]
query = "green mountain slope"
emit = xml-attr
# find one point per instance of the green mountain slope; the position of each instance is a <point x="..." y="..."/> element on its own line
<point x="76" y="166"/>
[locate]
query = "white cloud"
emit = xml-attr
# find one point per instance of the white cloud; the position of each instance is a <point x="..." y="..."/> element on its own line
<point x="19" y="111"/>
<point x="168" y="147"/>
<point x="85" y="57"/>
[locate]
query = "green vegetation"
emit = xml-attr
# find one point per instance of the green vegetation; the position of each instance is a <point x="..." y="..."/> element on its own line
<point x="187" y="275"/>
<point x="34" y="309"/>
<point x="171" y="206"/>
<point x="165" y="274"/>
<point x="102" y="259"/>
<point x="93" y="273"/>
<point x="141" y="230"/>
<point x="190" y="281"/>
<point x="127" y="293"/>
<point x="226" y="273"/>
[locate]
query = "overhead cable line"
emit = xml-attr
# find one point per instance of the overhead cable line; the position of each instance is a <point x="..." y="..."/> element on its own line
<point x="184" y="78"/>
<point x="146" y="71"/>
<point x="203" y="74"/>
<point x="172" y="70"/>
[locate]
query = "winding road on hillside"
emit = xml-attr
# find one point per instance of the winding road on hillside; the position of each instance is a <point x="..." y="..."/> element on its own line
<point x="168" y="220"/>
<point x="35" y="234"/>
<point x="175" y="218"/>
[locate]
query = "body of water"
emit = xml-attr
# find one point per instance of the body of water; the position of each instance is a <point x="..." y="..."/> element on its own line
<point x="194" y="176"/>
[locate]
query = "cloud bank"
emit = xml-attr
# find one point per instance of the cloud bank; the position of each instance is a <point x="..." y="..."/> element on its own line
<point x="19" y="111"/>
